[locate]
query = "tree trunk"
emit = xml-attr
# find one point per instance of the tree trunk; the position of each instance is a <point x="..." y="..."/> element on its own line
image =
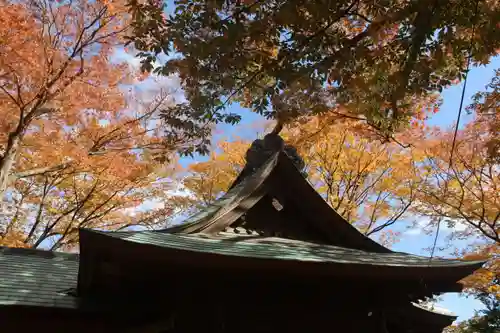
<point x="7" y="161"/>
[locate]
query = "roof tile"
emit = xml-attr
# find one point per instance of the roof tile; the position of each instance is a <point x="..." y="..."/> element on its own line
<point x="281" y="249"/>
<point x="36" y="277"/>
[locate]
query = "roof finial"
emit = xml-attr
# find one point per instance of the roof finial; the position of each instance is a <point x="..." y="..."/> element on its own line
<point x="262" y="149"/>
<point x="290" y="150"/>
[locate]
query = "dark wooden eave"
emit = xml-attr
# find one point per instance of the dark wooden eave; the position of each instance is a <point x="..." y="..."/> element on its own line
<point x="41" y="283"/>
<point x="47" y="279"/>
<point x="419" y="319"/>
<point x="120" y="251"/>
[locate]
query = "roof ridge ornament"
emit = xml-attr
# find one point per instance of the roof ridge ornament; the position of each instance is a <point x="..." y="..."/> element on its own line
<point x="262" y="149"/>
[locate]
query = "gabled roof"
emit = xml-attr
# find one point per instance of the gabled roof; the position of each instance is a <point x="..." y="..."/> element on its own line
<point x="277" y="172"/>
<point x="232" y="205"/>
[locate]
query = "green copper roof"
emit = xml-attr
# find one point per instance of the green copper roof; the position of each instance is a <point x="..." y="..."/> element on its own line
<point x="42" y="278"/>
<point x="280" y="249"/>
<point x="37" y="278"/>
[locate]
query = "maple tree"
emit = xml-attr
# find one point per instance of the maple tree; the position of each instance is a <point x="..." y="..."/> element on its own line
<point x="76" y="150"/>
<point x="106" y="195"/>
<point x="53" y="63"/>
<point x="207" y="180"/>
<point x="484" y="321"/>
<point x="460" y="189"/>
<point x="462" y="185"/>
<point x="486" y="106"/>
<point x="371" y="184"/>
<point x="56" y="64"/>
<point x="374" y="60"/>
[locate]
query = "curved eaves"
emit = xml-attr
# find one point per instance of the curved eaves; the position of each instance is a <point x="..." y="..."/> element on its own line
<point x="200" y="251"/>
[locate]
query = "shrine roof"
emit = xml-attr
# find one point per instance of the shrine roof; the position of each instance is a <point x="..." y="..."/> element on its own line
<point x="37" y="278"/>
<point x="47" y="279"/>
<point x="42" y="278"/>
<point x="253" y="246"/>
<point x="205" y="232"/>
<point x="228" y="201"/>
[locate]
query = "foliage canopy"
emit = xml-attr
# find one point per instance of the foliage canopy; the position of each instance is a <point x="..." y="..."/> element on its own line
<point x="284" y="59"/>
<point x="76" y="150"/>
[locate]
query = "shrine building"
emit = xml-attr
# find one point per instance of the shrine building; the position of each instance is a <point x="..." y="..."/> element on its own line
<point x="268" y="256"/>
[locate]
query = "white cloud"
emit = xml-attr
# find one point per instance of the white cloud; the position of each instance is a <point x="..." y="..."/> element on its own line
<point x="154" y="204"/>
<point x="425" y="224"/>
<point x="418" y="227"/>
<point x="120" y="55"/>
<point x="146" y="90"/>
<point x="130" y="211"/>
<point x="413" y="232"/>
<point x="182" y="191"/>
